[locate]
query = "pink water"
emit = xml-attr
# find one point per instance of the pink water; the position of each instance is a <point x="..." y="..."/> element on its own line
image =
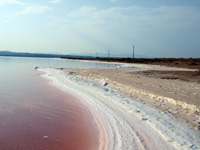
<point x="35" y="115"/>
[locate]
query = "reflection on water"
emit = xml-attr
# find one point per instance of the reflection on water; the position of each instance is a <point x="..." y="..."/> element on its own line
<point x="36" y="116"/>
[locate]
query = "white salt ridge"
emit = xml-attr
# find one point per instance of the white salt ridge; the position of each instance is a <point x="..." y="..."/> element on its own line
<point x="124" y="123"/>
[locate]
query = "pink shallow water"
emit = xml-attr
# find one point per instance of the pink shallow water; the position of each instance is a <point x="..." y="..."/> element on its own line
<point x="47" y="120"/>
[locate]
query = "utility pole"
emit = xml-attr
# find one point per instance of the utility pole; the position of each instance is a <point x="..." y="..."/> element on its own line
<point x="108" y="53"/>
<point x="133" y="51"/>
<point x="97" y="54"/>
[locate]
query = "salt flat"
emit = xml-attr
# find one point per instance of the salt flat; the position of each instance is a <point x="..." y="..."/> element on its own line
<point x="127" y="113"/>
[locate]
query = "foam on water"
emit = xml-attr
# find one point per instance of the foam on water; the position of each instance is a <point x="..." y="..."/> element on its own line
<point x="124" y="123"/>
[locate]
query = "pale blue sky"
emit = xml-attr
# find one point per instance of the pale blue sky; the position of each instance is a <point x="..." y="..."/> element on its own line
<point x="158" y="28"/>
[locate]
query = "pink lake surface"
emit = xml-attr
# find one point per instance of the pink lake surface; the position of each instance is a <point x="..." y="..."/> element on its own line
<point x="35" y="115"/>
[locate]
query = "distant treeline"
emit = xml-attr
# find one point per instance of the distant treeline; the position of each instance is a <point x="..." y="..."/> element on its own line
<point x="142" y="60"/>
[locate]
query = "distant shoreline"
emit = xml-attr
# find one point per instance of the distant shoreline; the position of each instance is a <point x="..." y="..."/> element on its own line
<point x="191" y="63"/>
<point x="25" y="54"/>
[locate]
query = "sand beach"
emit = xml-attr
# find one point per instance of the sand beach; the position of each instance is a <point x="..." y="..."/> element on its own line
<point x="152" y="85"/>
<point x="134" y="103"/>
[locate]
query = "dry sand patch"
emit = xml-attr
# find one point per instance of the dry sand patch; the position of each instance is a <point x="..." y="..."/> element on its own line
<point x="165" y="89"/>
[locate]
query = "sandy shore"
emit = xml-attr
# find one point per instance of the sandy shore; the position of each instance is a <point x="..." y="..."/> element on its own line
<point x="120" y="101"/>
<point x="152" y="85"/>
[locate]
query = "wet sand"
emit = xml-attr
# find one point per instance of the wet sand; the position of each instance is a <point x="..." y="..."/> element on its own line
<point x="56" y="120"/>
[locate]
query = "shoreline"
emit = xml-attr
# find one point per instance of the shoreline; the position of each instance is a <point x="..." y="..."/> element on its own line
<point x="119" y="115"/>
<point x="74" y="102"/>
<point x="61" y="83"/>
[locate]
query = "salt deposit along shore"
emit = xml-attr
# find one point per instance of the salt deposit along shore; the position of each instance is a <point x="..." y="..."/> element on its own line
<point x="127" y="117"/>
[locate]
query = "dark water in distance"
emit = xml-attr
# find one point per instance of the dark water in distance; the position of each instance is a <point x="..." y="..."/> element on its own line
<point x="37" y="116"/>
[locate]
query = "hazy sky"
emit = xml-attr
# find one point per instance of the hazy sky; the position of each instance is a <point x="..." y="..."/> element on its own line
<point x="158" y="28"/>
